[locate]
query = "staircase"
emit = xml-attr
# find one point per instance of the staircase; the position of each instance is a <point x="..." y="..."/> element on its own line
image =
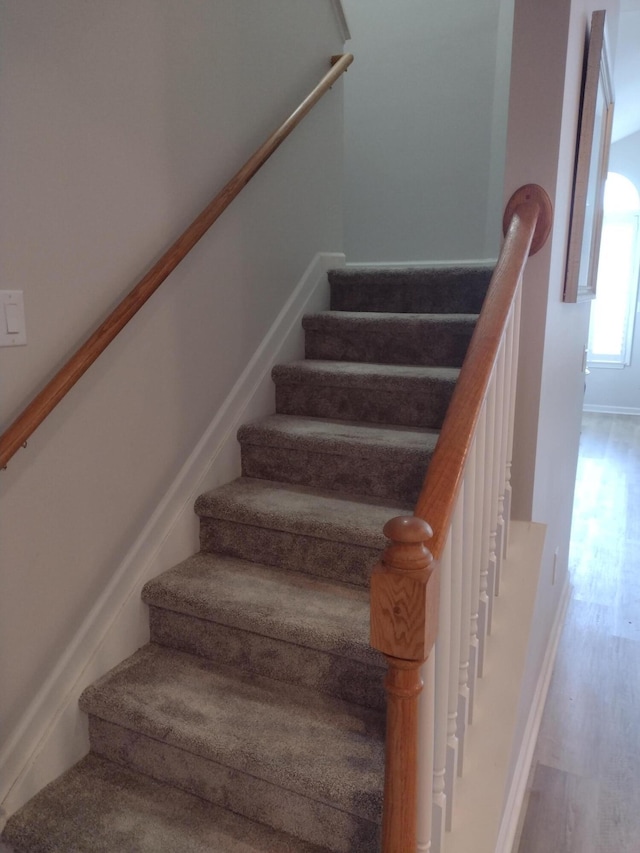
<point x="254" y="719"/>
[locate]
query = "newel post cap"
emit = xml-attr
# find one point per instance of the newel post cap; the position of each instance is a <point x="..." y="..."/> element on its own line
<point x="407" y="528"/>
<point x="407" y="550"/>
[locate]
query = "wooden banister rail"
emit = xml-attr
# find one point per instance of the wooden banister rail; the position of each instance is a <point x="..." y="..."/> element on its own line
<point x="405" y="584"/>
<point x="16" y="435"/>
<point x="527" y="222"/>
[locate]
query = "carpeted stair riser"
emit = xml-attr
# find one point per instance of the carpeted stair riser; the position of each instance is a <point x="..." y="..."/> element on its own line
<point x="283" y="625"/>
<point x="319" y="533"/>
<point x="220" y="734"/>
<point x="436" y="340"/>
<point x="350" y="680"/>
<point x="358" y="475"/>
<point x="380" y="394"/>
<point x="360" y="459"/>
<point x="444" y="290"/>
<point x="243" y="794"/>
<point x="320" y="557"/>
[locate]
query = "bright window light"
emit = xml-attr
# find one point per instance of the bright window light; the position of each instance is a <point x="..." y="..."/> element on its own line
<point x="613" y="311"/>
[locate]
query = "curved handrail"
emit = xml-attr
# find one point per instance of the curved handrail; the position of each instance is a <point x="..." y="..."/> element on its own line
<point x="527" y="222"/>
<point x="16" y="435"/>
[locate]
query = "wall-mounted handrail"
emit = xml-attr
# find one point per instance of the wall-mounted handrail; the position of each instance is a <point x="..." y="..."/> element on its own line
<point x="405" y="585"/>
<point x="16" y="435"/>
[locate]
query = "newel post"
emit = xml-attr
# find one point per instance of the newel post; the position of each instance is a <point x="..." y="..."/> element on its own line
<point x="404" y="616"/>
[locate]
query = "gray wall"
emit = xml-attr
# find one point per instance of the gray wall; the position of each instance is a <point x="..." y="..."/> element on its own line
<point x="120" y="122"/>
<point x="425" y="127"/>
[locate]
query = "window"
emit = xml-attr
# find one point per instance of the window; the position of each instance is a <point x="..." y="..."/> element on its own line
<point x="613" y="311"/>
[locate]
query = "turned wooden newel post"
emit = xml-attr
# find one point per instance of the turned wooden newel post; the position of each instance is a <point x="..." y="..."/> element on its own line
<point x="404" y="617"/>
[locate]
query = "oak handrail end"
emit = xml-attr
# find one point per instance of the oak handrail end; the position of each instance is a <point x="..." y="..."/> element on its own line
<point x="529" y="194"/>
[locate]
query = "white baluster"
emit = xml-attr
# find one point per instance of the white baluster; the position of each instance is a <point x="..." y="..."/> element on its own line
<point x="508" y="492"/>
<point x="478" y="635"/>
<point x="467" y="672"/>
<point x="506" y="408"/>
<point x="498" y="466"/>
<point x="457" y="533"/>
<point x="443" y="660"/>
<point x="487" y="571"/>
<point x="426" y="725"/>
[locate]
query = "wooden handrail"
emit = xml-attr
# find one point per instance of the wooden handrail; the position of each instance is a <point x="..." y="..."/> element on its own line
<point x="405" y="584"/>
<point x="527" y="223"/>
<point x="16" y="435"/>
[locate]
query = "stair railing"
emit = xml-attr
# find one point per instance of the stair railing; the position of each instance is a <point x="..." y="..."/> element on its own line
<point x="442" y="595"/>
<point x="16" y="435"/>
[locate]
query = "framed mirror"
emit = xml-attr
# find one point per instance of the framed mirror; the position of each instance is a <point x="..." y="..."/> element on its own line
<point x="592" y="157"/>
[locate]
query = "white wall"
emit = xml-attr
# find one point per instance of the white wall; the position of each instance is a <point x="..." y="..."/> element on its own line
<point x="545" y="90"/>
<point x="425" y="129"/>
<point x="120" y="121"/>
<point x="610" y="388"/>
<point x="626" y="118"/>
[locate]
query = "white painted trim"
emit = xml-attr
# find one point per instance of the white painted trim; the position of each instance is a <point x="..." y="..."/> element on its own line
<point x="611" y="410"/>
<point x="343" y="24"/>
<point x="52" y="734"/>
<point x="516" y="793"/>
<point x="486" y="262"/>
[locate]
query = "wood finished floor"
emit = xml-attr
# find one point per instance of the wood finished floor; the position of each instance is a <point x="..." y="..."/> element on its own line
<point x="584" y="788"/>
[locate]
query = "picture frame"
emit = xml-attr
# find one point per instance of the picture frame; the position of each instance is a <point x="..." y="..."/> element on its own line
<point x="592" y="159"/>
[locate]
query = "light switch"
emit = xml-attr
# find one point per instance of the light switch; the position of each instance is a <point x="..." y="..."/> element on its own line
<point x="15" y="321"/>
<point x="12" y="326"/>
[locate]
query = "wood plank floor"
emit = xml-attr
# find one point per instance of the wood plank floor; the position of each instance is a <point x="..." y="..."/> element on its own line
<point x="584" y="788"/>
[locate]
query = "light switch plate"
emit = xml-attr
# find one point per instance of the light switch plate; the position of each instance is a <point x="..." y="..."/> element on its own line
<point x="13" y="332"/>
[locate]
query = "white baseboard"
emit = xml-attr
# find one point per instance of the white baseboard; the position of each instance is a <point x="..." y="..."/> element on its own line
<point x="611" y="410"/>
<point x="517" y="790"/>
<point x="485" y="262"/>
<point x="53" y="732"/>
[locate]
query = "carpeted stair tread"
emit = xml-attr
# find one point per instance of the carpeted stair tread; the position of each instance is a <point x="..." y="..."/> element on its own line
<point x="341" y="437"/>
<point x="383" y="461"/>
<point x="405" y="395"/>
<point x="389" y="338"/>
<point x="297" y="509"/>
<point x="279" y="624"/>
<point x="422" y="290"/>
<point x="372" y="377"/>
<point x="295" y="739"/>
<point x="379" y="319"/>
<point x="286" y="605"/>
<point x="100" y="807"/>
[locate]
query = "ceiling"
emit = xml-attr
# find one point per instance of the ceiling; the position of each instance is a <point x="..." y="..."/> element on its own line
<point x="626" y="75"/>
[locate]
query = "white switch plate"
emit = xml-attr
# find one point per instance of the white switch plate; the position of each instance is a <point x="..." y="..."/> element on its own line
<point x="13" y="332"/>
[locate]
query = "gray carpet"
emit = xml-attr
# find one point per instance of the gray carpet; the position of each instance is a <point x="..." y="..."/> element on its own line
<point x="253" y="722"/>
